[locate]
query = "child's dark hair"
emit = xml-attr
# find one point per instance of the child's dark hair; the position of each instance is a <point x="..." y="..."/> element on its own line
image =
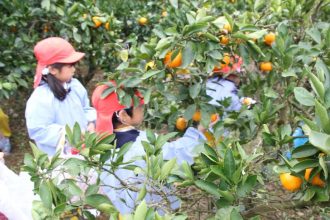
<point x="115" y="119"/>
<point x="55" y="85"/>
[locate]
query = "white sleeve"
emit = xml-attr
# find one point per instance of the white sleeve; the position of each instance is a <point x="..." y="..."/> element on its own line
<point x="183" y="148"/>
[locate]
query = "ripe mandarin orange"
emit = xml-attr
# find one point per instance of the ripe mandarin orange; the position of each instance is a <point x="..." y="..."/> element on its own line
<point x="227" y="27"/>
<point x="107" y="26"/>
<point x="97" y="21"/>
<point x="209" y="137"/>
<point x="225" y="60"/>
<point x="316" y="181"/>
<point x="164" y="13"/>
<point x="214" y="117"/>
<point x="176" y="62"/>
<point x="224" y="40"/>
<point x="290" y="182"/>
<point x="181" y="124"/>
<point x="269" y="39"/>
<point x="142" y="21"/>
<point x="197" y="116"/>
<point x="266" y="66"/>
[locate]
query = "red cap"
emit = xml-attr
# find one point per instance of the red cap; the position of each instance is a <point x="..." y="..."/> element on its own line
<point x="53" y="50"/>
<point x="106" y="107"/>
<point x="236" y="62"/>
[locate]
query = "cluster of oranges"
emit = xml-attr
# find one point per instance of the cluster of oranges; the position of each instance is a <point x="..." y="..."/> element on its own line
<point x="293" y="183"/>
<point x="98" y="22"/>
<point x="269" y="39"/>
<point x="176" y="62"/>
<point x="181" y="122"/>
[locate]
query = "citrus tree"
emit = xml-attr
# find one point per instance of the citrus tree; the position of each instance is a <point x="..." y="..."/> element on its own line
<point x="170" y="49"/>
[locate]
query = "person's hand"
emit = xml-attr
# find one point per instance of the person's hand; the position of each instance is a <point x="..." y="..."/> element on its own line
<point x="91" y="127"/>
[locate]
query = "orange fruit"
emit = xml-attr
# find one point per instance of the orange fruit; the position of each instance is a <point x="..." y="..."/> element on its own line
<point x="107" y="26"/>
<point x="164" y="13"/>
<point x="181" y="124"/>
<point x="224" y="40"/>
<point x="316" y="181"/>
<point x="84" y="16"/>
<point x="269" y="39"/>
<point x="227" y="27"/>
<point x="197" y="116"/>
<point x="46" y="29"/>
<point x="209" y="137"/>
<point x="97" y="21"/>
<point x="214" y="117"/>
<point x="176" y="62"/>
<point x="266" y="66"/>
<point x="142" y="21"/>
<point x="290" y="182"/>
<point x="225" y="60"/>
<point x="246" y="101"/>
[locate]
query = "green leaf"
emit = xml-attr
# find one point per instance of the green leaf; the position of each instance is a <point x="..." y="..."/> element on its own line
<point x="167" y="168"/>
<point x="72" y="188"/>
<point x="208" y="187"/>
<point x="194" y="28"/>
<point x="229" y="164"/>
<point x="255" y="47"/>
<point x="124" y="149"/>
<point x="194" y="90"/>
<point x="189" y="111"/>
<point x="324" y="167"/>
<point x="217" y="169"/>
<point x="149" y="74"/>
<point x="188" y="54"/>
<point x="45" y="194"/>
<point x="76" y="134"/>
<point x="100" y="202"/>
<point x="235" y="215"/>
<point x="141" y="211"/>
<point x="227" y="195"/>
<point x="246" y="187"/>
<point x="147" y="96"/>
<point x="162" y="139"/>
<point x="303" y="165"/>
<point x="37" y="153"/>
<point x="314" y="34"/>
<point x="187" y="170"/>
<point x="174" y="3"/>
<point x="321" y="141"/>
<point x="77" y="37"/>
<point x="92" y="189"/>
<point x="288" y="73"/>
<point x="142" y="193"/>
<point x="304" y="151"/>
<point x="45" y="4"/>
<point x="151" y="136"/>
<point x="303" y="96"/>
<point x="29" y="161"/>
<point x="317" y="85"/>
<point x="308" y="195"/>
<point x="322" y="113"/>
<point x="257" y="34"/>
<point x="164" y="43"/>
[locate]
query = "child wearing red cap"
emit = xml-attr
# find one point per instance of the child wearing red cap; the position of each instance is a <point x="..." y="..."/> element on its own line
<point x="121" y="120"/>
<point x="58" y="99"/>
<point x="224" y="84"/>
